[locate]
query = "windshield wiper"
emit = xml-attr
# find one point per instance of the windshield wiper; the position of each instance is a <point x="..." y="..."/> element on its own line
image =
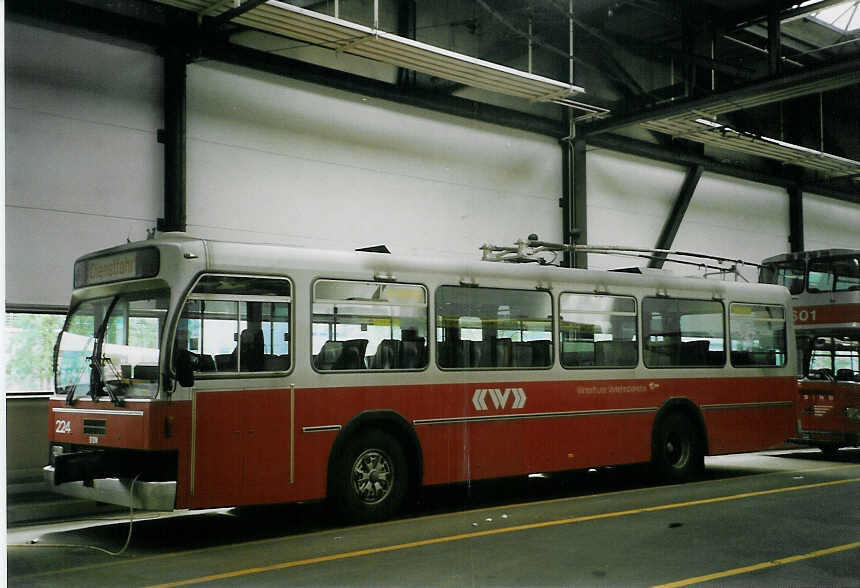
<point x="70" y="389"/>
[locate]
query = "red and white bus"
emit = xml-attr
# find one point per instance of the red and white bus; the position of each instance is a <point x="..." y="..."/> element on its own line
<point x="194" y="374"/>
<point x="825" y="286"/>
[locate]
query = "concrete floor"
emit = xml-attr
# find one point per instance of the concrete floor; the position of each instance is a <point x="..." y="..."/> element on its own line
<point x="765" y="519"/>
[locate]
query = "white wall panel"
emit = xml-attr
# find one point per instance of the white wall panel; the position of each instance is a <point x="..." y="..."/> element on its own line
<point x="83" y="168"/>
<point x="282" y="161"/>
<point x="629" y="199"/>
<point x="735" y="219"/>
<point x="829" y="223"/>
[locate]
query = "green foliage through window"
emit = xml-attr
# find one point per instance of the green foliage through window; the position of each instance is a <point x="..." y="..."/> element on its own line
<point x="30" y="342"/>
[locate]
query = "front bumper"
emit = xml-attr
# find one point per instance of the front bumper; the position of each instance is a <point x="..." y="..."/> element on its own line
<point x="146" y="496"/>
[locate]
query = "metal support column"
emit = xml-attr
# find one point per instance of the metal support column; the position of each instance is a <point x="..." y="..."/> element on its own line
<point x="567" y="196"/>
<point x="579" y="220"/>
<point x="795" y="218"/>
<point x="774" y="39"/>
<point x="673" y="223"/>
<point x="175" y="61"/>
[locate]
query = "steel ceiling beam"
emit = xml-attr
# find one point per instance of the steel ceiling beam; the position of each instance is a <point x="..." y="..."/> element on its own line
<point x="676" y="216"/>
<point x="683" y="158"/>
<point x="797" y="84"/>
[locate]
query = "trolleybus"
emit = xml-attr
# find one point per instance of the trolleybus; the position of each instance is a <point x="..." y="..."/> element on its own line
<point x="193" y="374"/>
<point x="825" y="286"/>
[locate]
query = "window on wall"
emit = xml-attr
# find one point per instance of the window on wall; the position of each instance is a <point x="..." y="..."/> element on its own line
<point x="682" y="333"/>
<point x="237" y="324"/>
<point x="597" y="331"/>
<point x="30" y="339"/>
<point x="493" y="328"/>
<point x="758" y="335"/>
<point x="369" y="325"/>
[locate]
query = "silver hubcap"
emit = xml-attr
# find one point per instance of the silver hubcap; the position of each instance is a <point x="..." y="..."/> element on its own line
<point x="372" y="476"/>
<point x="677" y="450"/>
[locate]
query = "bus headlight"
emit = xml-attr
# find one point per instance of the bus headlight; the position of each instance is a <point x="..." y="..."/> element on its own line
<point x="853" y="413"/>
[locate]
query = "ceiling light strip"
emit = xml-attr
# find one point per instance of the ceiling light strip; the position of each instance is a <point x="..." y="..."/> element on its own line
<point x="323" y="30"/>
<point x="727" y="138"/>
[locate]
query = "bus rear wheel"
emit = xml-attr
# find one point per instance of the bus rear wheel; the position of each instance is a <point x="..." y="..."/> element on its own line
<point x="829" y="450"/>
<point x="370" y="478"/>
<point x="677" y="453"/>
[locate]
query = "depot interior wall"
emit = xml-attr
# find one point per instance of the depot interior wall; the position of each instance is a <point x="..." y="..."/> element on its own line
<point x="829" y="223"/>
<point x="83" y="166"/>
<point x="629" y="200"/>
<point x="277" y="160"/>
<point x="736" y="219"/>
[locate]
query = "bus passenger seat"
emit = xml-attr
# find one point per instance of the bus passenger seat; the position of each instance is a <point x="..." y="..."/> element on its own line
<point x="412" y="353"/>
<point x="251" y="345"/>
<point x="481" y="354"/>
<point x="329" y="355"/>
<point x="844" y="375"/>
<point x="503" y="352"/>
<point x="352" y="356"/>
<point x="225" y="362"/>
<point x="206" y="363"/>
<point x="523" y="354"/>
<point x="695" y="352"/>
<point x="463" y="354"/>
<point x="387" y="356"/>
<point x="541" y="353"/>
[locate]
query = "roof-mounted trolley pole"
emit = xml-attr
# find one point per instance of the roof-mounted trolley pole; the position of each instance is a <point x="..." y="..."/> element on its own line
<point x="533" y="250"/>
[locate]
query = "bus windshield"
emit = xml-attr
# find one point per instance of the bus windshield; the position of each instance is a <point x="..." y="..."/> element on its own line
<point x="110" y="346"/>
<point x="787" y="273"/>
<point x="835" y="358"/>
<point x="836" y="274"/>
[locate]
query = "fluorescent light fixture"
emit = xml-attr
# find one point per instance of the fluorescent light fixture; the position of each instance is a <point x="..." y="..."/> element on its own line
<point x="340" y="35"/>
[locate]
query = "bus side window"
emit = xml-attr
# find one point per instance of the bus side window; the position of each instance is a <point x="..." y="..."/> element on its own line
<point x="597" y="331"/>
<point x="369" y="326"/>
<point x="758" y="335"/>
<point x="683" y="333"/>
<point x="493" y="328"/>
<point x="237" y="324"/>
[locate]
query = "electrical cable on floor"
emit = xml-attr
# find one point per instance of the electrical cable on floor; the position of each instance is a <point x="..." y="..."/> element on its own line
<point x="34" y="542"/>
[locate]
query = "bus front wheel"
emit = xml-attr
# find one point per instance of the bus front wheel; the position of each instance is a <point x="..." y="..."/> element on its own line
<point x="370" y="480"/>
<point x="677" y="452"/>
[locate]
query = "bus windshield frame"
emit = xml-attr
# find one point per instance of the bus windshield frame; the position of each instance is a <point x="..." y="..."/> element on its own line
<point x="111" y="345"/>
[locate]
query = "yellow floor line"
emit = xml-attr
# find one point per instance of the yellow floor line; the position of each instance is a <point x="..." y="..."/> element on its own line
<point x="478" y="534"/>
<point x="760" y="566"/>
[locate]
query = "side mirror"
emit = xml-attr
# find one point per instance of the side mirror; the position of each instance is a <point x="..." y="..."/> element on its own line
<point x="186" y="363"/>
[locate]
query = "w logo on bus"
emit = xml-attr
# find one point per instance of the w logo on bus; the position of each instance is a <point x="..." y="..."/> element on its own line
<point x="499" y="398"/>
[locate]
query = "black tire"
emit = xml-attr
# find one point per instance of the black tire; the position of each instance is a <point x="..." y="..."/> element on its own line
<point x="677" y="452"/>
<point x="829" y="449"/>
<point x="370" y="479"/>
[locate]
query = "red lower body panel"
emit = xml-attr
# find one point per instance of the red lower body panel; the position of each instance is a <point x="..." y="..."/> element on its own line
<point x="269" y="446"/>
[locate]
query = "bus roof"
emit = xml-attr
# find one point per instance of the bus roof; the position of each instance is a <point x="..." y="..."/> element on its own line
<point x="272" y="259"/>
<point x="808" y="255"/>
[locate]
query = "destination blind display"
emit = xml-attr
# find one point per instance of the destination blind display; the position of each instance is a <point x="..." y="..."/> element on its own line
<point x="130" y="265"/>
